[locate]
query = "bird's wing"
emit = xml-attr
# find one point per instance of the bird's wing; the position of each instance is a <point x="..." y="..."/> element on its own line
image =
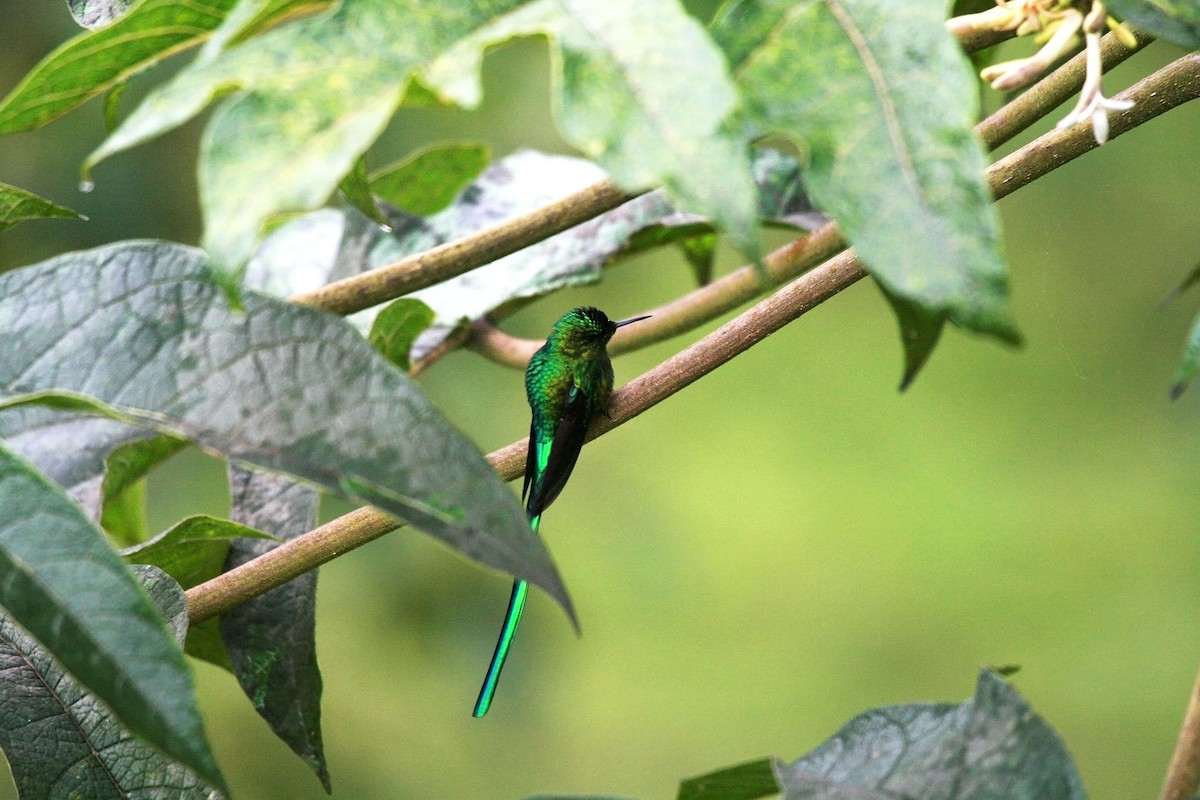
<point x="554" y="464"/>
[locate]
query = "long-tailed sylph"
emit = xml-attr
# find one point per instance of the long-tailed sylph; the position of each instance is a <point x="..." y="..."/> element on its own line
<point x="568" y="382"/>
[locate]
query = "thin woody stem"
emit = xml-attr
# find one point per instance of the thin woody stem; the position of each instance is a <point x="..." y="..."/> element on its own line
<point x="1171" y="86"/>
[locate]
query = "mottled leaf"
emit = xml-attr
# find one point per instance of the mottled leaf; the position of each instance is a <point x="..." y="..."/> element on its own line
<point x="95" y="61"/>
<point x="429" y="179"/>
<point x="192" y="550"/>
<point x="881" y="101"/>
<point x="748" y="781"/>
<point x="311" y="250"/>
<point x="397" y="327"/>
<point x="97" y="13"/>
<point x="18" y="205"/>
<point x="61" y="582"/>
<point x="991" y="747"/>
<point x="144" y="328"/>
<point x="271" y="639"/>
<point x="1176" y="21"/>
<point x="62" y="742"/>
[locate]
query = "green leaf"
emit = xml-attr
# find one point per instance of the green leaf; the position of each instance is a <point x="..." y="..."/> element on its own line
<point x="747" y="781"/>
<point x="701" y="253"/>
<point x="122" y="492"/>
<point x="62" y="583"/>
<point x="192" y="550"/>
<point x="991" y="746"/>
<point x="881" y="101"/>
<point x="429" y="179"/>
<point x="628" y="72"/>
<point x="144" y="328"/>
<point x="18" y="205"/>
<point x="357" y="190"/>
<point x="285" y="140"/>
<point x="96" y="61"/>
<point x="97" y="13"/>
<point x="397" y="327"/>
<point x="919" y="334"/>
<point x="271" y="640"/>
<point x="1176" y="21"/>
<point x="123" y="517"/>
<point x="63" y="742"/>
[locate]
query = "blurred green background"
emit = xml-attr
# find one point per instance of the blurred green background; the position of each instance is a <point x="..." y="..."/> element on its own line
<point x="779" y="547"/>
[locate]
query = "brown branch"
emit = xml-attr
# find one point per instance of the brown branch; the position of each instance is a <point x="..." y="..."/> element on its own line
<point x="452" y="259"/>
<point x="1183" y="776"/>
<point x="1167" y="88"/>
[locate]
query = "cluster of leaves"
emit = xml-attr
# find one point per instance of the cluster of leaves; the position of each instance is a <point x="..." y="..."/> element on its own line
<point x="121" y="355"/>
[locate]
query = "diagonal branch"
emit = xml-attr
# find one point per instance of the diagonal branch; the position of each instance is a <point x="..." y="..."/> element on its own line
<point x="1171" y="86"/>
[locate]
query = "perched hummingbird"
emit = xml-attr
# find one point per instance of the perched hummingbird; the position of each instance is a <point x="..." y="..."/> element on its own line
<point x="568" y="382"/>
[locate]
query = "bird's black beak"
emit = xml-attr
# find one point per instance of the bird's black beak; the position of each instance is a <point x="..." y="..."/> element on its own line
<point x="631" y="320"/>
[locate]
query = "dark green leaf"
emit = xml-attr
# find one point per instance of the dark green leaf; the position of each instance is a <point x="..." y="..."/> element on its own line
<point x="62" y="583"/>
<point x="991" y="747"/>
<point x="429" y="179"/>
<point x="97" y="13"/>
<point x="193" y="550"/>
<point x="397" y="327"/>
<point x="882" y="102"/>
<point x="701" y="253"/>
<point x="1176" y="21"/>
<point x="747" y="781"/>
<point x="357" y="190"/>
<point x="96" y="61"/>
<point x="271" y="639"/>
<point x="919" y="333"/>
<point x="62" y="742"/>
<point x="204" y="642"/>
<point x="288" y="388"/>
<point x="18" y="205"/>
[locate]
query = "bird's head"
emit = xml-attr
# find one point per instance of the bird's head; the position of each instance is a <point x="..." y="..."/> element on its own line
<point x="585" y="330"/>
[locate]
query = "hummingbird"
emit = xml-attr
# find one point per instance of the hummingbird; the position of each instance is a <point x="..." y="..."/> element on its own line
<point x="568" y="382"/>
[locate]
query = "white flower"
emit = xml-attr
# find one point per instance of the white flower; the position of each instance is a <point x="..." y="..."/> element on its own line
<point x="1092" y="104"/>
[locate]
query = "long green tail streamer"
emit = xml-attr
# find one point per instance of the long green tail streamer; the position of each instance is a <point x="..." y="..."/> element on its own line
<point x="512" y="618"/>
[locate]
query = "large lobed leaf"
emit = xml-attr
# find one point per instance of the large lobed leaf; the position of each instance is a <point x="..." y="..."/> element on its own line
<point x="64" y="585"/>
<point x="143" y="328"/>
<point x="882" y="102"/>
<point x="990" y="747"/>
<point x="62" y="742"/>
<point x="316" y="93"/>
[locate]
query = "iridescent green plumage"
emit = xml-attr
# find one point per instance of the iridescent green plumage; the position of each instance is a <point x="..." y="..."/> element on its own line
<point x="568" y="381"/>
